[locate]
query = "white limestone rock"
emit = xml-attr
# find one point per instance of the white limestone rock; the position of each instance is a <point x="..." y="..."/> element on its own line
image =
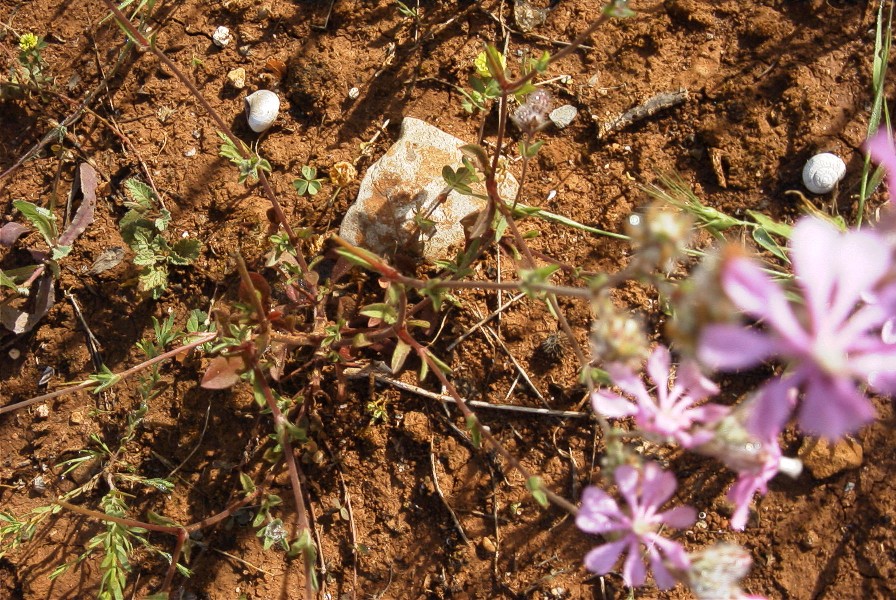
<point x="407" y="182"/>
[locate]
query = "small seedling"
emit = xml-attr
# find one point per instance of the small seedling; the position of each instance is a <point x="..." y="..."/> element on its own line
<point x="31" y="60"/>
<point x="142" y="228"/>
<point x="249" y="167"/>
<point x="309" y="183"/>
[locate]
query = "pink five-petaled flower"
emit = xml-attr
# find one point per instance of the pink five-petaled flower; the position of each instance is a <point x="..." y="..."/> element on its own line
<point x="882" y="151"/>
<point x="672" y="414"/>
<point x="644" y="491"/>
<point x="837" y="342"/>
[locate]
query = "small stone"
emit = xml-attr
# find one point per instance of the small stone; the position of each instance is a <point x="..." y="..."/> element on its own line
<point x="825" y="460"/>
<point x="810" y="540"/>
<point x="42" y="411"/>
<point x="563" y="116"/>
<point x="15" y="353"/>
<point x="354" y="93"/>
<point x="400" y="211"/>
<point x="76" y="418"/>
<point x="190" y="153"/>
<point x="221" y="37"/>
<point x="236" y="78"/>
<point x="488" y="545"/>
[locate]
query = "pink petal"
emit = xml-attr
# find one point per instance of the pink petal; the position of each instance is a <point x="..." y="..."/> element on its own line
<point x="657" y="486"/>
<point x="658" y="365"/>
<point x="627" y="381"/>
<point x="741" y="494"/>
<point x="664" y="580"/>
<point x="600" y="559"/>
<point x="833" y="407"/>
<point x="627" y="479"/>
<point x="692" y="379"/>
<point x="597" y="512"/>
<point x="611" y="405"/>
<point x="680" y="517"/>
<point x="882" y="151"/>
<point x="730" y="347"/>
<point x="771" y="408"/>
<point x="633" y="571"/>
<point x="754" y="292"/>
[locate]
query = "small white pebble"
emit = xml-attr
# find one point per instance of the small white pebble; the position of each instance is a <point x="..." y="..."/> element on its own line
<point x="42" y="411"/>
<point x="221" y="37"/>
<point x="354" y="93"/>
<point x="15" y="353"/>
<point x="190" y="153"/>
<point x="563" y="116"/>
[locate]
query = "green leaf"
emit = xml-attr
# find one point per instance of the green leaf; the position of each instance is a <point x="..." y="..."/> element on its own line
<point x="762" y="237"/>
<point x="154" y="280"/>
<point x="475" y="431"/>
<point x="184" y="251"/>
<point x="530" y="150"/>
<point x="104" y="379"/>
<point x="535" y="486"/>
<point x="140" y="193"/>
<point x="382" y="311"/>
<point x="41" y="218"/>
<point x="399" y="355"/>
<point x="771" y="225"/>
<point x="246" y="483"/>
<point x="6" y="281"/>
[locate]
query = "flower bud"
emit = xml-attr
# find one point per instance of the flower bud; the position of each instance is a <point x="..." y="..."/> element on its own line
<point x="343" y="173"/>
<point x="615" y="335"/>
<point x="660" y="236"/>
<point x="532" y="115"/>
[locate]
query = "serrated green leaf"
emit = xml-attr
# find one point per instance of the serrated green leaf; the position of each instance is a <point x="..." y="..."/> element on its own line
<point x="60" y="252"/>
<point x="184" y="251"/>
<point x="140" y="193"/>
<point x="154" y="280"/>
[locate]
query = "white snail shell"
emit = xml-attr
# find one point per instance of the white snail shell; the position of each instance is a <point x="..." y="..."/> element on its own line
<point x="822" y="172"/>
<point x="261" y="110"/>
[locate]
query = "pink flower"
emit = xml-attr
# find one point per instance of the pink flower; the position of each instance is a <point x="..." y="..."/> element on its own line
<point x="644" y="491"/>
<point x="672" y="414"/>
<point x="831" y="339"/>
<point x="881" y="149"/>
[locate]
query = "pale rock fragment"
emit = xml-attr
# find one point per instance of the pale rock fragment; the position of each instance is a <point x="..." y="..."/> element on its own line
<point x="399" y="198"/>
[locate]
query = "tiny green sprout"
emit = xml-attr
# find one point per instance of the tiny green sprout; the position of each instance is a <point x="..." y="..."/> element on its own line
<point x="309" y="183"/>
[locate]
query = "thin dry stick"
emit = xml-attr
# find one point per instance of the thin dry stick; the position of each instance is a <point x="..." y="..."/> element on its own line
<point x="85" y="385"/>
<point x="435" y="483"/>
<point x="525" y="410"/>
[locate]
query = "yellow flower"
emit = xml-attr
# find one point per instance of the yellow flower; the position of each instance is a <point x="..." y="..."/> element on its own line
<point x="28" y="42"/>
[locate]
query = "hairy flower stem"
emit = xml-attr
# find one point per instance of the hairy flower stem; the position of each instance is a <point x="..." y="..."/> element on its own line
<point x="424" y="355"/>
<point x="141" y="41"/>
<point x="86" y="385"/>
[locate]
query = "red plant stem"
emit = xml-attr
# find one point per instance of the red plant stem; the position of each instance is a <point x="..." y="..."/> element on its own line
<point x="202" y="339"/>
<point x="280" y="423"/>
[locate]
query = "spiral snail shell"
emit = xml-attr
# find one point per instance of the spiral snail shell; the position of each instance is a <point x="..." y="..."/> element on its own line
<point x="823" y="172"/>
<point x="261" y="110"/>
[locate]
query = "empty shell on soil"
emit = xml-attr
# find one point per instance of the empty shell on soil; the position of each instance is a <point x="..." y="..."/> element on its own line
<point x="823" y="172"/>
<point x="261" y="110"/>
